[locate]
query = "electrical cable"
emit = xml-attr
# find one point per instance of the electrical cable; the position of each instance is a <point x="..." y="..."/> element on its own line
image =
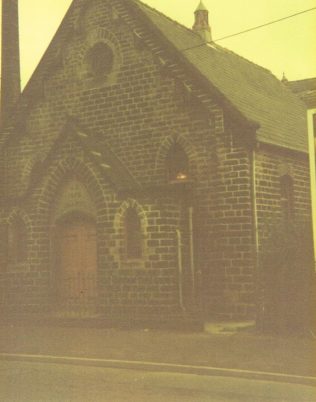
<point x="251" y="29"/>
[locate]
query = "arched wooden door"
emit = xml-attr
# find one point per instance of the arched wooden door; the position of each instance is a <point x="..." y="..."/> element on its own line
<point x="76" y="266"/>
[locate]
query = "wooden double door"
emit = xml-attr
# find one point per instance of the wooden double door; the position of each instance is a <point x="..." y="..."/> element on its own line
<point x="76" y="271"/>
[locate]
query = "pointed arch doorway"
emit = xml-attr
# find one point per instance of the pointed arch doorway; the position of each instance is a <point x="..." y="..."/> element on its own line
<point x="76" y="265"/>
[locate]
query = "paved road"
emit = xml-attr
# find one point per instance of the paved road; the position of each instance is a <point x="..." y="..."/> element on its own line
<point x="36" y="382"/>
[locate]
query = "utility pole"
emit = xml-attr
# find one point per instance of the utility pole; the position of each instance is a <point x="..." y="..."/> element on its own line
<point x="10" y="58"/>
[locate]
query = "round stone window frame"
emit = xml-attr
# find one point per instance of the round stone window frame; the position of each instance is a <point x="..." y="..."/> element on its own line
<point x="107" y="38"/>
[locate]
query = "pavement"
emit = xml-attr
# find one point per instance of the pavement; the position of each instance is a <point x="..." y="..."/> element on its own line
<point x="222" y="349"/>
<point x="39" y="382"/>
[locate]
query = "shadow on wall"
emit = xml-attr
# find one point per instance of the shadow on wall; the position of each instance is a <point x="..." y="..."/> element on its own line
<point x="287" y="281"/>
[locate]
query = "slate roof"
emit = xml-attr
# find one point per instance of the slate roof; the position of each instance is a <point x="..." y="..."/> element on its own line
<point x="254" y="91"/>
<point x="306" y="90"/>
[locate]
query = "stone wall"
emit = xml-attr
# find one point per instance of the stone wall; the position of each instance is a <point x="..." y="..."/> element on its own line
<point x="135" y="112"/>
<point x="271" y="165"/>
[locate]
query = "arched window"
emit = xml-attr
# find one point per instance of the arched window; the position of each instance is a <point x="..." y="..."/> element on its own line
<point x="17" y="241"/>
<point x="133" y="234"/>
<point x="177" y="163"/>
<point x="100" y="60"/>
<point x="287" y="197"/>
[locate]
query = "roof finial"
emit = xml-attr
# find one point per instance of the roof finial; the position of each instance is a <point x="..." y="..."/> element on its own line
<point x="201" y="7"/>
<point x="201" y="24"/>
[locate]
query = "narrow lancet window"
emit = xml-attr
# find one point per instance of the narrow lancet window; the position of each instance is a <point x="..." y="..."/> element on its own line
<point x="177" y="163"/>
<point x="287" y="197"/>
<point x="133" y="234"/>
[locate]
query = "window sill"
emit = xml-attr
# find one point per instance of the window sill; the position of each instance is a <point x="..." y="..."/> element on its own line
<point x="180" y="181"/>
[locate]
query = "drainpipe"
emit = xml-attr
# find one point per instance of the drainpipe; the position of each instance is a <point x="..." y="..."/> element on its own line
<point x="180" y="268"/>
<point x="254" y="201"/>
<point x="260" y="304"/>
<point x="191" y="245"/>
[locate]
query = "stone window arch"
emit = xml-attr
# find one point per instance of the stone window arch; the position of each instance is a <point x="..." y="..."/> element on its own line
<point x="176" y="159"/>
<point x="87" y="196"/>
<point x="72" y="197"/>
<point x="287" y="197"/>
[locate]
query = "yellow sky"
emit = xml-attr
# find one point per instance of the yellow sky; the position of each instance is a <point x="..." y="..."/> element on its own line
<point x="288" y="46"/>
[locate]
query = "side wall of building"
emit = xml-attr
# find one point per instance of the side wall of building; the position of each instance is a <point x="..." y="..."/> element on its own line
<point x="272" y="166"/>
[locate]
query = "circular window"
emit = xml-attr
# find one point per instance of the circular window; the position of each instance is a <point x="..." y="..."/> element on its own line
<point x="100" y="60"/>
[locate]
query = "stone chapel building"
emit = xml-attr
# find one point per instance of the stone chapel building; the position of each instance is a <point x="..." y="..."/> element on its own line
<point x="139" y="169"/>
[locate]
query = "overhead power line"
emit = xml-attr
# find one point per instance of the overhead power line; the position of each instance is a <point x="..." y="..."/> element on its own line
<point x="266" y="24"/>
<point x="252" y="29"/>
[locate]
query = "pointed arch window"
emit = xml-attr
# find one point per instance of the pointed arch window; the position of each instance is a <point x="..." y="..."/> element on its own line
<point x="100" y="60"/>
<point x="177" y="163"/>
<point x="17" y="241"/>
<point x="287" y="197"/>
<point x="133" y="234"/>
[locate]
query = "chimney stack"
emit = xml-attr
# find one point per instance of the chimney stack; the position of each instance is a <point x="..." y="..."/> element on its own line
<point x="201" y="24"/>
<point x="10" y="58"/>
